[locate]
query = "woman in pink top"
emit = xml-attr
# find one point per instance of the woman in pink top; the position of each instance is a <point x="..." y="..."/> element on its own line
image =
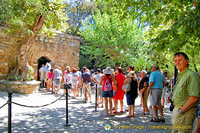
<point x="50" y="76"/>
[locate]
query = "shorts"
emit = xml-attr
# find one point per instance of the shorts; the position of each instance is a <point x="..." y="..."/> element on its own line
<point x="42" y="78"/>
<point x="163" y="93"/>
<point x="107" y="94"/>
<point x="183" y="122"/>
<point x="56" y="82"/>
<point x="145" y="97"/>
<point x="155" y="97"/>
<point x="86" y="85"/>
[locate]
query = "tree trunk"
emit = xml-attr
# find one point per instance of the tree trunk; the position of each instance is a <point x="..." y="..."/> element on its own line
<point x="24" y="47"/>
<point x="195" y="67"/>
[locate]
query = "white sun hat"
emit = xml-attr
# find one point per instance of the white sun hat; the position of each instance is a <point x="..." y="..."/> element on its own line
<point x="108" y="70"/>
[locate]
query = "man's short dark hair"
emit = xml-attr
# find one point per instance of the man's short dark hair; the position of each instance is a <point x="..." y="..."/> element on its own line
<point x="119" y="69"/>
<point x="181" y="53"/>
<point x="99" y="70"/>
<point x="132" y="67"/>
<point x="84" y="68"/>
<point x="155" y="66"/>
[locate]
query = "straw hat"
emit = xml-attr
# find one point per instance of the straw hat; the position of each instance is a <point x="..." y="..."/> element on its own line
<point x="108" y="70"/>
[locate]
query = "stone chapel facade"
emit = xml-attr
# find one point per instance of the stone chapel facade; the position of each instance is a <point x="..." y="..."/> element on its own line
<point x="61" y="49"/>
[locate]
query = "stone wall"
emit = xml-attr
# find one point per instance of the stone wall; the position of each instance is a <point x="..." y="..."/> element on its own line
<point x="62" y="50"/>
<point x="23" y="87"/>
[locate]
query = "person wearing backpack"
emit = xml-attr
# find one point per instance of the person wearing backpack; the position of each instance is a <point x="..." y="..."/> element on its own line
<point x="107" y="90"/>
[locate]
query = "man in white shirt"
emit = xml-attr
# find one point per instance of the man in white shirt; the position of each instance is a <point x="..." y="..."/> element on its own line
<point x="97" y="79"/>
<point x="57" y="79"/>
<point x="42" y="75"/>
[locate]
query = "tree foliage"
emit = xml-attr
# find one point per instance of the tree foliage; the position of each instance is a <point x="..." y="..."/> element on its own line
<point x="77" y="11"/>
<point x="114" y="41"/>
<point x="173" y="25"/>
<point x="20" y="15"/>
<point x="29" y="18"/>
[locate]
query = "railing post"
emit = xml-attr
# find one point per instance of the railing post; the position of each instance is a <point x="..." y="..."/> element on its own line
<point x="96" y="99"/>
<point x="52" y="86"/>
<point x="85" y="91"/>
<point x="66" y="91"/>
<point x="9" y="112"/>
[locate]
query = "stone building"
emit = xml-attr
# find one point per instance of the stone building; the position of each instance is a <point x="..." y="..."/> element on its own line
<point x="61" y="49"/>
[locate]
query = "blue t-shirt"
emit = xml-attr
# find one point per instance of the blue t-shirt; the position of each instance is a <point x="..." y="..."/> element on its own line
<point x="158" y="79"/>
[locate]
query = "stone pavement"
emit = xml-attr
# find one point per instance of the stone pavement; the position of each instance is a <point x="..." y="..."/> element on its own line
<point x="82" y="117"/>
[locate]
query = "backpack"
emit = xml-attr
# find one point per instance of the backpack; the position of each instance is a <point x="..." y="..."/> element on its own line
<point x="107" y="85"/>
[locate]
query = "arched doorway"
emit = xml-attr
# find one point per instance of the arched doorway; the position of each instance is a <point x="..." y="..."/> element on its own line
<point x="42" y="60"/>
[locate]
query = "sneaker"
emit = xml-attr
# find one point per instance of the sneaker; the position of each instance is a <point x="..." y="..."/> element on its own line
<point x="154" y="120"/>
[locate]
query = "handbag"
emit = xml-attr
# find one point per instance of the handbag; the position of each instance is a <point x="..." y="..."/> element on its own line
<point x="126" y="87"/>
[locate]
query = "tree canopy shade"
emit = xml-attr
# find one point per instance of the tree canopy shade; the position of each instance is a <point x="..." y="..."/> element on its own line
<point x="173" y="25"/>
<point x="31" y="17"/>
<point x="114" y="41"/>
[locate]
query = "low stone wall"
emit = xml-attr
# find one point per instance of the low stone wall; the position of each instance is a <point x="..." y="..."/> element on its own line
<point x="23" y="87"/>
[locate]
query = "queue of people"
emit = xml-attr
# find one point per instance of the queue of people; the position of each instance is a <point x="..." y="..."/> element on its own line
<point x="110" y="90"/>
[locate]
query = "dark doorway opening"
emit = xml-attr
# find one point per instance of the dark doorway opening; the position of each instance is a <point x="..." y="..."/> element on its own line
<point x="42" y="60"/>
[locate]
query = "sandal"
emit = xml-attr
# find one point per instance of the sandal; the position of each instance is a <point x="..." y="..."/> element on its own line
<point x="162" y="120"/>
<point x="115" y="112"/>
<point x="121" y="111"/>
<point x="155" y="120"/>
<point x="112" y="114"/>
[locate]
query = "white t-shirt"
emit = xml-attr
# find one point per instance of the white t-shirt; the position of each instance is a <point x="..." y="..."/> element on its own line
<point x="58" y="74"/>
<point x="97" y="77"/>
<point x="42" y="72"/>
<point x="68" y="77"/>
<point x="74" y="78"/>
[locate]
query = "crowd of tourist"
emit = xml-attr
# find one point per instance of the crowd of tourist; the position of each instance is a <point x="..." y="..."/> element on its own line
<point x="113" y="85"/>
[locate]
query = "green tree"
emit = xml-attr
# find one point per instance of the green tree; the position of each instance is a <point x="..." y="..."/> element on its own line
<point x="29" y="18"/>
<point x="77" y="11"/>
<point x="111" y="39"/>
<point x="173" y="25"/>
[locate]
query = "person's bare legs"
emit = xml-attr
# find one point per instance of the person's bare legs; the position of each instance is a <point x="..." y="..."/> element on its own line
<point x="146" y="108"/>
<point x="77" y="93"/>
<point x="122" y="105"/>
<point x="74" y="92"/>
<point x="102" y="102"/>
<point x="129" y="110"/>
<point x="115" y="104"/>
<point x="54" y="88"/>
<point x="160" y="108"/>
<point x="110" y="103"/>
<point x="58" y="89"/>
<point x="132" y="110"/>
<point x="163" y="102"/>
<point x="155" y="110"/>
<point x="106" y="105"/>
<point x="141" y="97"/>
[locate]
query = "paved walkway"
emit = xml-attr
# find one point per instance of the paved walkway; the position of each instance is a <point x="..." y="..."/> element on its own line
<point x="82" y="117"/>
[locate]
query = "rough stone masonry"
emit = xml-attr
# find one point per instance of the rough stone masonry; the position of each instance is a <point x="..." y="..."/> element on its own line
<point x="61" y="49"/>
